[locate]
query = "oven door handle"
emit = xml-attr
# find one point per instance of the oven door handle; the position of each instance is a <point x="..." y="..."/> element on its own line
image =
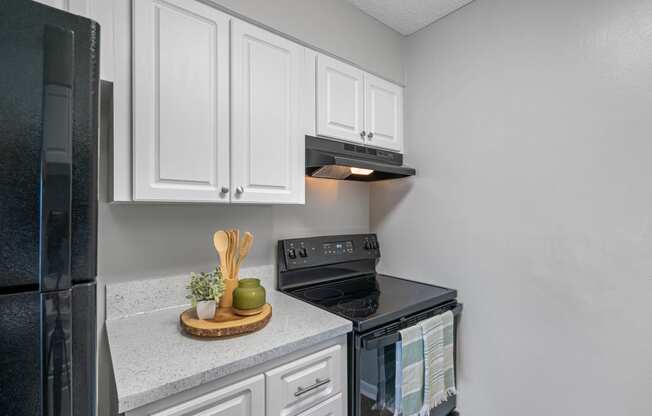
<point x="385" y="340"/>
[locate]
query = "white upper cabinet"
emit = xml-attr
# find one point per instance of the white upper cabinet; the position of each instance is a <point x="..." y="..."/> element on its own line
<point x="267" y="137"/>
<point x="383" y="113"/>
<point x="358" y="107"/>
<point x="180" y="101"/>
<point x="340" y="100"/>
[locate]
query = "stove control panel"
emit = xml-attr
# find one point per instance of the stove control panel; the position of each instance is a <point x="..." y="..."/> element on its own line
<point x="319" y="251"/>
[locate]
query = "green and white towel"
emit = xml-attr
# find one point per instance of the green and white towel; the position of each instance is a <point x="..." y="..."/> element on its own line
<point x="439" y="364"/>
<point x="412" y="371"/>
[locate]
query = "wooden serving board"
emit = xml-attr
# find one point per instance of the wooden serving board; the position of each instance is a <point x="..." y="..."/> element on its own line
<point x="225" y="323"/>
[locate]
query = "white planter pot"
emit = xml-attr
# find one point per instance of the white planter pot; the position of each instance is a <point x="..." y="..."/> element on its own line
<point x="206" y="309"/>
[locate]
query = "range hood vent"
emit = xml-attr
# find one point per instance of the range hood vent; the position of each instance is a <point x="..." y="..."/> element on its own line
<point x="336" y="160"/>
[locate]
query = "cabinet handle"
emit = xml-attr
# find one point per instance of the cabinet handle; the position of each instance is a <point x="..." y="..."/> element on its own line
<point x="239" y="190"/>
<point x="362" y="133"/>
<point x="224" y="190"/>
<point x="370" y="135"/>
<point x="318" y="383"/>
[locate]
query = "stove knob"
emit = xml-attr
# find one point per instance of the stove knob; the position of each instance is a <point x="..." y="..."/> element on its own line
<point x="374" y="244"/>
<point x="367" y="245"/>
<point x="292" y="254"/>
<point x="303" y="252"/>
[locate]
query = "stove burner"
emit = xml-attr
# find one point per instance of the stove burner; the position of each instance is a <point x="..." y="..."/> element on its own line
<point x="323" y="293"/>
<point x="358" y="308"/>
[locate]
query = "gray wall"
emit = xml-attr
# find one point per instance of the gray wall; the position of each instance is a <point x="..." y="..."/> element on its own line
<point x="335" y="26"/>
<point x="529" y="123"/>
<point x="141" y="241"/>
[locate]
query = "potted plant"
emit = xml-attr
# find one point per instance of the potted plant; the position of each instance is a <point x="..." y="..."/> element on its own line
<point x="205" y="291"/>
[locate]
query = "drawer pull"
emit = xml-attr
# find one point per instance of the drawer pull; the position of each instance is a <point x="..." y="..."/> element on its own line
<point x="318" y="383"/>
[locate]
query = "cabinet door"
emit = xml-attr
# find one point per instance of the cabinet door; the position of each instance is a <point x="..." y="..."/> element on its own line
<point x="339" y="100"/>
<point x="180" y="101"/>
<point x="383" y="113"/>
<point x="268" y="145"/>
<point x="246" y="398"/>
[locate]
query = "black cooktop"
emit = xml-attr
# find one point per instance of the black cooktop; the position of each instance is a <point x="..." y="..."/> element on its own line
<point x="372" y="300"/>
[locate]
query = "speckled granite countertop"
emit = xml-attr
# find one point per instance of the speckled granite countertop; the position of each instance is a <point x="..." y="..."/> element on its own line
<point x="153" y="359"/>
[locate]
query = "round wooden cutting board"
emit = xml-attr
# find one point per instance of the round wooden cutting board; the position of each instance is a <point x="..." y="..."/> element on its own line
<point x="225" y="323"/>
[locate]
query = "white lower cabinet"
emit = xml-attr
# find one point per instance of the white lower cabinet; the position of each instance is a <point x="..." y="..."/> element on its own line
<point x="334" y="406"/>
<point x="295" y="387"/>
<point x="246" y="398"/>
<point x="311" y="382"/>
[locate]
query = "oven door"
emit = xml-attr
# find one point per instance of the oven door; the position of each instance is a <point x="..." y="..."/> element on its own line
<point x="374" y="388"/>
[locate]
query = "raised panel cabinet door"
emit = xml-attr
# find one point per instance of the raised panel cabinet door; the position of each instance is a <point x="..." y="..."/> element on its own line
<point x="383" y="113"/>
<point x="246" y="398"/>
<point x="180" y="101"/>
<point x="340" y="100"/>
<point x="267" y="142"/>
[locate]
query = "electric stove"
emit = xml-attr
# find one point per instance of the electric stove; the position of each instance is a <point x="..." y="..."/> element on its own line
<point x="338" y="274"/>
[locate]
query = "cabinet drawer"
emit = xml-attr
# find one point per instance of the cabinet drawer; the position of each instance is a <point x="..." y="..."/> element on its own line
<point x="246" y="398"/>
<point x="331" y="407"/>
<point x="295" y="387"/>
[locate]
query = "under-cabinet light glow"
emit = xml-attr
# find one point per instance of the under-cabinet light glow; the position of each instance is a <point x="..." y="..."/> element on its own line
<point x="360" y="171"/>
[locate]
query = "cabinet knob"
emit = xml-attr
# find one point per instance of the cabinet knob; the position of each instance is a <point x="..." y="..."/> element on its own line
<point x="362" y="133"/>
<point x="370" y="135"/>
<point x="239" y="190"/>
<point x="224" y="190"/>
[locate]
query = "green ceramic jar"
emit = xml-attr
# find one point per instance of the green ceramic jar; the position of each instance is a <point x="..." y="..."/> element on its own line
<point x="249" y="294"/>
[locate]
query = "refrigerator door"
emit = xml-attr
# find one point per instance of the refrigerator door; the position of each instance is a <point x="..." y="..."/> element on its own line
<point x="48" y="147"/>
<point x="48" y="210"/>
<point x="20" y="354"/>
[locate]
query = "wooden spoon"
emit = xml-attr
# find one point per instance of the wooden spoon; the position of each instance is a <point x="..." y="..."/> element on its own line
<point x="221" y="243"/>
<point x="247" y="242"/>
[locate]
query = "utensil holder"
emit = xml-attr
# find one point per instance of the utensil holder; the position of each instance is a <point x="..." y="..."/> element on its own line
<point x="226" y="300"/>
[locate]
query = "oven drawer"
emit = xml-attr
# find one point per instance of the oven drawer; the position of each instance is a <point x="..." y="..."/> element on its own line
<point x="297" y="386"/>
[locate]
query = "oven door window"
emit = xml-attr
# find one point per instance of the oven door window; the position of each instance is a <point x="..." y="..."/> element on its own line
<point x="379" y="386"/>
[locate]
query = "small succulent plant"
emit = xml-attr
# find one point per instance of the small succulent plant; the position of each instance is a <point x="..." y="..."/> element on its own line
<point x="205" y="286"/>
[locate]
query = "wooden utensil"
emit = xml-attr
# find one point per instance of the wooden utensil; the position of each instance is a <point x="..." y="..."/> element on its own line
<point x="229" y="255"/>
<point x="221" y="243"/>
<point x="247" y="242"/>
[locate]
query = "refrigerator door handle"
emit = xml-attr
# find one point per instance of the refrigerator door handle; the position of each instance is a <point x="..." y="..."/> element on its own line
<point x="56" y="159"/>
<point x="56" y="326"/>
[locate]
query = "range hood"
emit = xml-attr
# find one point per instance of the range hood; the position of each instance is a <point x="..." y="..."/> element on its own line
<point x="345" y="161"/>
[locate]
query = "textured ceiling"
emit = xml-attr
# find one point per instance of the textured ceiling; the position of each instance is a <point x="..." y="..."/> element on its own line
<point x="408" y="16"/>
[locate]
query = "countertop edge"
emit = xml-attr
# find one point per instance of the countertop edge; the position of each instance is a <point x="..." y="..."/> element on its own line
<point x="135" y="400"/>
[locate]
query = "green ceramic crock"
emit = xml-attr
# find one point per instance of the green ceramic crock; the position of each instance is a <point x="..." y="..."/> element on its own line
<point x="249" y="294"/>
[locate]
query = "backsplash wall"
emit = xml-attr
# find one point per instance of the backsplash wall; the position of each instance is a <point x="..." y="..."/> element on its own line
<point x="150" y="239"/>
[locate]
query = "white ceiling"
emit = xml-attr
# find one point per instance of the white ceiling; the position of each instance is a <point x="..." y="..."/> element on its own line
<point x="408" y="16"/>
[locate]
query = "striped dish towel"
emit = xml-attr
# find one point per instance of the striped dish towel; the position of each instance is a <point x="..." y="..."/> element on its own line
<point x="439" y="367"/>
<point x="411" y="371"/>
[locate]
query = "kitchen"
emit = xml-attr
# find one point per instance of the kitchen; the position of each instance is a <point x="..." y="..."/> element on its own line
<point x="527" y="125"/>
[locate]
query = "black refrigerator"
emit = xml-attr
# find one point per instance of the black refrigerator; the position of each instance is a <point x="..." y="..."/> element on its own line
<point x="49" y="69"/>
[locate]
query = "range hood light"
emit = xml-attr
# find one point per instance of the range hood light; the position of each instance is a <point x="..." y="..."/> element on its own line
<point x="361" y="171"/>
